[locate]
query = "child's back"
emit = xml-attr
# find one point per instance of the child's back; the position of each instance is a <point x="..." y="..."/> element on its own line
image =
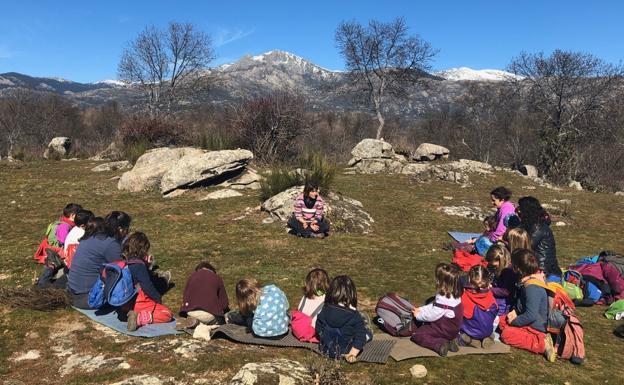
<point x="271" y="316"/>
<point x="311" y="306"/>
<point x="340" y="328"/>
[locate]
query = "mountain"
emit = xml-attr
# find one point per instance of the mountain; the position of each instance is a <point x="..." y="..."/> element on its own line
<point x="468" y="74"/>
<point x="255" y="75"/>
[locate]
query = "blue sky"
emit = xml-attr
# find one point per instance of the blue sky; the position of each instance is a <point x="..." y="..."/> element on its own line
<point x="83" y="40"/>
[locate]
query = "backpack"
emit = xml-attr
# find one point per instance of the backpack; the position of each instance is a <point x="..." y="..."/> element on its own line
<point x="114" y="286"/>
<point x="49" y="241"/>
<point x="395" y="315"/>
<point x="301" y="323"/>
<point x="572" y="284"/>
<point x="563" y="322"/>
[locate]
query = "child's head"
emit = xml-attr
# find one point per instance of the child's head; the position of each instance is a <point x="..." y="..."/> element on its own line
<point x="95" y="225"/>
<point x="310" y="189"/>
<point x="524" y="262"/>
<point x="248" y="293"/>
<point x="317" y="283"/>
<point x="498" y="257"/>
<point x="83" y="217"/>
<point x="341" y="291"/>
<point x="447" y="280"/>
<point x="489" y="223"/>
<point x="70" y="210"/>
<point x="205" y="265"/>
<point x="118" y="224"/>
<point x="136" y="246"/>
<point x="479" y="277"/>
<point x="517" y="238"/>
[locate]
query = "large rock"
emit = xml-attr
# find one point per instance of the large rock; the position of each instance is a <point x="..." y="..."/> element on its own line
<point x="376" y="166"/>
<point x="466" y="165"/>
<point x="248" y="179"/>
<point x="112" y="166"/>
<point x="195" y="169"/>
<point x="428" y="152"/>
<point x="529" y="171"/>
<point x="151" y="166"/>
<point x="345" y="214"/>
<point x="576" y="185"/>
<point x="221" y="194"/>
<point x="279" y="371"/>
<point x="58" y="147"/>
<point x="372" y="148"/>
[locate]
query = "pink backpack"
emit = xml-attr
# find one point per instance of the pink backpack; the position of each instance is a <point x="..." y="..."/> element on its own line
<point x="301" y="323"/>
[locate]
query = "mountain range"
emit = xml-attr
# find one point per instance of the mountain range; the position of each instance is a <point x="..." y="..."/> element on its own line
<point x="254" y="75"/>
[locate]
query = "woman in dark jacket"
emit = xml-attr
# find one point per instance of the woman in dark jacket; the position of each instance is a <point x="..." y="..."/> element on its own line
<point x="536" y="221"/>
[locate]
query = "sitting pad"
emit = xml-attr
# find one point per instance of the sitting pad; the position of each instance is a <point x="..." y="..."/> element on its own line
<point x="463" y="237"/>
<point x="374" y="351"/>
<point x="405" y="349"/>
<point x="110" y="318"/>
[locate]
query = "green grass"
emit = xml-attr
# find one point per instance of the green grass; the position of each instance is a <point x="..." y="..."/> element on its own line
<point x="400" y="255"/>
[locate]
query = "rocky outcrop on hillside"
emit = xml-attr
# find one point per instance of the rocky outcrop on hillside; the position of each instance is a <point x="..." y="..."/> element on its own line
<point x="58" y="147"/>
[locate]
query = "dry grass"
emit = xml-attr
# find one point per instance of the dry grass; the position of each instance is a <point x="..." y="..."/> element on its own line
<point x="399" y="256"/>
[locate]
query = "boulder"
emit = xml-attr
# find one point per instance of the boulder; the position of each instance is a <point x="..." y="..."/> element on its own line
<point x="151" y="166"/>
<point x="529" y="171"/>
<point x="429" y="152"/>
<point x="376" y="166"/>
<point x="221" y="194"/>
<point x="466" y="165"/>
<point x="248" y="179"/>
<point x="58" y="147"/>
<point x="619" y="193"/>
<point x="576" y="185"/>
<point x="146" y="379"/>
<point x="112" y="166"/>
<point x="112" y="152"/>
<point x="345" y="214"/>
<point x="415" y="168"/>
<point x="195" y="169"/>
<point x="278" y="371"/>
<point x="372" y="148"/>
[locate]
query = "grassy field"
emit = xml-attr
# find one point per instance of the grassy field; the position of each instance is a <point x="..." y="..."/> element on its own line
<point x="400" y="255"/>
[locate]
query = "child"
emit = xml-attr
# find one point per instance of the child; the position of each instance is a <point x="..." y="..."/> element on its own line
<point x="264" y="310"/>
<point x="75" y="234"/>
<point x="441" y="319"/>
<point x="517" y="238"/>
<point x="205" y="299"/>
<point x="340" y="327"/>
<point x="503" y="278"/>
<point x="147" y="307"/>
<point x="480" y="309"/>
<point x="317" y="283"/>
<point x="309" y="211"/>
<point x="57" y="232"/>
<point x="66" y="222"/>
<point x="525" y="327"/>
<point x="489" y="226"/>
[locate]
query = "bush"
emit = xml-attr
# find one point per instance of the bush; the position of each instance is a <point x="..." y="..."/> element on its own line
<point x="280" y="178"/>
<point x="317" y="167"/>
<point x="134" y="151"/>
<point x="153" y="131"/>
<point x="214" y="141"/>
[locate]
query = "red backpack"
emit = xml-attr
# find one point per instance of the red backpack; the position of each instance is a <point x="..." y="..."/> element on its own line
<point x="301" y="323"/>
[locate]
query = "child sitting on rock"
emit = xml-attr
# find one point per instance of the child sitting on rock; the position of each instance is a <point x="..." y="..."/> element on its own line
<point x="480" y="309"/>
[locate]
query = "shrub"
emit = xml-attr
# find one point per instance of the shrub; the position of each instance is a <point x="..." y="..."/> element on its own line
<point x="134" y="150"/>
<point x="278" y="179"/>
<point x="155" y="131"/>
<point x="214" y="141"/>
<point x="316" y="166"/>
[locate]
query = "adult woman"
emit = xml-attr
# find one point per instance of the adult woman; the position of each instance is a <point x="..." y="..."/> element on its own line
<point x="308" y="217"/>
<point x="101" y="244"/>
<point x="504" y="209"/>
<point x="536" y="222"/>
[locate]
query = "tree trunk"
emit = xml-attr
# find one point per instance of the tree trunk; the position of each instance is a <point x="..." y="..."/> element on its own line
<point x="381" y="120"/>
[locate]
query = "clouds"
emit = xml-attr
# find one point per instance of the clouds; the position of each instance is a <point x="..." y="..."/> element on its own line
<point x="225" y="36"/>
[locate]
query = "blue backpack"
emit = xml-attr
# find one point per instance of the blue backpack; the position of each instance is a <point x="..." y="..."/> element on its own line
<point x="114" y="286"/>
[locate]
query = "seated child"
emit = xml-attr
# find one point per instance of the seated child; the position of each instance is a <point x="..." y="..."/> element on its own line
<point x="341" y="328"/>
<point x="147" y="307"/>
<point x="440" y="321"/>
<point x="263" y="309"/>
<point x="66" y="222"/>
<point x="503" y="278"/>
<point x="489" y="226"/>
<point x="57" y="232"/>
<point x="75" y="234"/>
<point x="525" y="326"/>
<point x="480" y="309"/>
<point x="205" y="299"/>
<point x="317" y="283"/>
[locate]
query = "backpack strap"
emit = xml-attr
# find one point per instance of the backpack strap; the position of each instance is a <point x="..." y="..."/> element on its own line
<point x="537" y="282"/>
<point x="302" y="306"/>
<point x="317" y="310"/>
<point x="446" y="307"/>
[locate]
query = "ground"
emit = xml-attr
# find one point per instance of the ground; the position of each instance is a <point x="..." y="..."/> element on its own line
<point x="398" y="256"/>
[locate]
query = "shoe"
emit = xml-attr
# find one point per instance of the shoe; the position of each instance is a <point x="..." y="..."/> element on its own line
<point x="186" y="323"/>
<point x="132" y="321"/>
<point x="619" y="331"/>
<point x="453" y="347"/>
<point x="465" y="339"/>
<point x="317" y="235"/>
<point x="443" y="350"/>
<point x="166" y="276"/>
<point x="549" y="351"/>
<point x="487" y="342"/>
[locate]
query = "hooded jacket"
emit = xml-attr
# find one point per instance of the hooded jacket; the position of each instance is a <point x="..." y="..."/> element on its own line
<point x="480" y="310"/>
<point x="339" y="329"/>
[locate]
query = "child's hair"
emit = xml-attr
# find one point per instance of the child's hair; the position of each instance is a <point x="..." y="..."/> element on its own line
<point x="96" y="225"/>
<point x="524" y="262"/>
<point x="136" y="246"/>
<point x="70" y="209"/>
<point x="502" y="193"/>
<point x="317" y="281"/>
<point x="248" y="293"/>
<point x="310" y="185"/>
<point x="517" y="238"/>
<point x="498" y="253"/>
<point x="205" y="265"/>
<point x="83" y="217"/>
<point x="341" y="291"/>
<point x="447" y="281"/>
<point x="479" y="277"/>
<point x="116" y="220"/>
<point x="490" y="222"/>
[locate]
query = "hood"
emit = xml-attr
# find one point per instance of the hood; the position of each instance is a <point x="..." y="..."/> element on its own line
<point x="338" y="316"/>
<point x="470" y="299"/>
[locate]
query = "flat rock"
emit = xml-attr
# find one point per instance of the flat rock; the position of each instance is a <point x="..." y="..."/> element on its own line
<point x="221" y="194"/>
<point x="415" y="168"/>
<point x="87" y="363"/>
<point x="463" y="211"/>
<point x="175" y="193"/>
<point x="195" y="169"/>
<point x="372" y="148"/>
<point x="279" y="371"/>
<point x="429" y="152"/>
<point x="58" y="146"/>
<point x="248" y="179"/>
<point x="28" y="356"/>
<point x="146" y="379"/>
<point x="112" y="166"/>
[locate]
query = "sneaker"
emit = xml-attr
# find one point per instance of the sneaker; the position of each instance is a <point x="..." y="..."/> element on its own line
<point x="443" y="350"/>
<point x="487" y="342"/>
<point x="465" y="339"/>
<point x="132" y="321"/>
<point x="317" y="235"/>
<point x="453" y="347"/>
<point x="186" y="323"/>
<point x="549" y="351"/>
<point x="166" y="276"/>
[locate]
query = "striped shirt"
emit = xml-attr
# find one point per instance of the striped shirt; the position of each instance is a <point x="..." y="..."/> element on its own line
<point x="316" y="212"/>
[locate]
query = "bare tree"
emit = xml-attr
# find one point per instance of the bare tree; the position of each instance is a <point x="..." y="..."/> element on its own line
<point x="16" y="118"/>
<point x="166" y="62"/>
<point x="383" y="60"/>
<point x="564" y="89"/>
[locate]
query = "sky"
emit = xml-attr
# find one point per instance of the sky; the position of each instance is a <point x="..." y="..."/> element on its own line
<point x="83" y="40"/>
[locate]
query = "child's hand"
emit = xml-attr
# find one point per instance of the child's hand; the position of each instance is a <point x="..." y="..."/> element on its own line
<point x="415" y="311"/>
<point x="511" y="316"/>
<point x="472" y="241"/>
<point x="350" y="358"/>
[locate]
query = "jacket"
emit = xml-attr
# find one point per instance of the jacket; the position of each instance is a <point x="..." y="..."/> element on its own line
<point x="316" y="212"/>
<point x="543" y="244"/>
<point x="480" y="310"/>
<point x="339" y="329"/>
<point x="205" y="291"/>
<point x="271" y="317"/>
<point x="532" y="308"/>
<point x="506" y="209"/>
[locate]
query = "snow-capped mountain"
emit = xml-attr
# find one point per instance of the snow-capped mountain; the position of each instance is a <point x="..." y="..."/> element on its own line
<point x="469" y="74"/>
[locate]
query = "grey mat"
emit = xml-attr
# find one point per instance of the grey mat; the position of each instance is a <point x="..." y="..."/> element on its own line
<point x="374" y="351"/>
<point x="405" y="349"/>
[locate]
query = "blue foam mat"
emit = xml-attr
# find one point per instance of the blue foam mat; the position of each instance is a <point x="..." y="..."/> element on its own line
<point x="110" y="318"/>
<point x="463" y="237"/>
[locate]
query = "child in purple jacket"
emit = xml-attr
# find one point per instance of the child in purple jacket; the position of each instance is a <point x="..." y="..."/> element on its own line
<point x="504" y="208"/>
<point x="480" y="309"/>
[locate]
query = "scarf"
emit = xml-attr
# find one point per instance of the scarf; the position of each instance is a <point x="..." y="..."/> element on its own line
<point x="484" y="299"/>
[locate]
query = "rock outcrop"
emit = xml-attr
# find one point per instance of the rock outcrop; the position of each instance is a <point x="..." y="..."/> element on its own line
<point x="529" y="171"/>
<point x="279" y="371"/>
<point x="58" y="147"/>
<point x="112" y="166"/>
<point x="429" y="152"/>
